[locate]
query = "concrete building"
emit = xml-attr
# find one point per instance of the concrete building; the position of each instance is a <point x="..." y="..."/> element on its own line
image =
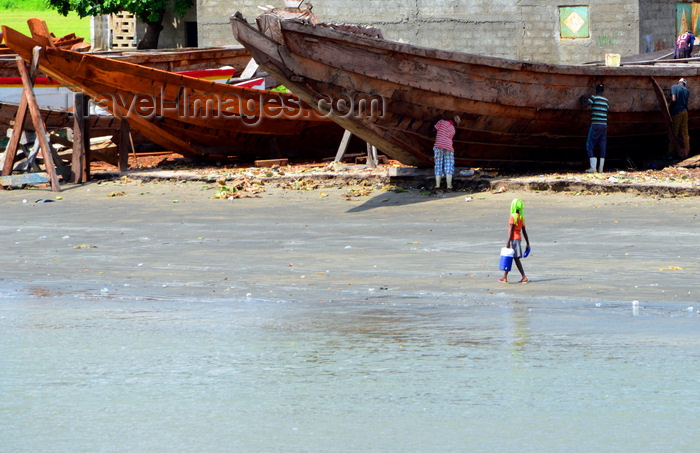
<point x="531" y="30"/>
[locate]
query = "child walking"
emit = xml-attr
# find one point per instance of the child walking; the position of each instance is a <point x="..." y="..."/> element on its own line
<point x="516" y="231"/>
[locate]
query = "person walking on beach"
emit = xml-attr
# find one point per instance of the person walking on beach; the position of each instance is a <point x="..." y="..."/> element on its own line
<point x="516" y="231"/>
<point x="598" y="132"/>
<point x="444" y="152"/>
<point x="679" y="116"/>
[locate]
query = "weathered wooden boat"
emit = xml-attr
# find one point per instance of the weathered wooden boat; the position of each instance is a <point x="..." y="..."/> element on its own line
<point x="187" y="115"/>
<point x="512" y="111"/>
<point x="174" y="60"/>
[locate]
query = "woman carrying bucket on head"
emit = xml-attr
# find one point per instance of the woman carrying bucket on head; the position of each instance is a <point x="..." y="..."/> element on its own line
<point x="516" y="231"/>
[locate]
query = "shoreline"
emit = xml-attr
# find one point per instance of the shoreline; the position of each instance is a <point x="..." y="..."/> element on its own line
<point x="671" y="181"/>
<point x="339" y="242"/>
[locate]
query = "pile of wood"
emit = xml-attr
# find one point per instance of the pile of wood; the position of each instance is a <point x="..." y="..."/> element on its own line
<point x="67" y="42"/>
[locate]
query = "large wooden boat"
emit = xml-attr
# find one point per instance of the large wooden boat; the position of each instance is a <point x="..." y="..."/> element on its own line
<point x="188" y="115"/>
<point x="511" y="111"/>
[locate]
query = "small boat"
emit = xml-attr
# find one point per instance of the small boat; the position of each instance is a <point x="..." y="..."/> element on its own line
<point x="173" y="60"/>
<point x="188" y="115"/>
<point x="512" y="112"/>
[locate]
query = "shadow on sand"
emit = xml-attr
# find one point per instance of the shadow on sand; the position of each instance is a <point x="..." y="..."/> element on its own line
<point x="405" y="198"/>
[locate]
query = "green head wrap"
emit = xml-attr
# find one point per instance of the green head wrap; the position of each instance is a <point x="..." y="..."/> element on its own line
<point x="516" y="209"/>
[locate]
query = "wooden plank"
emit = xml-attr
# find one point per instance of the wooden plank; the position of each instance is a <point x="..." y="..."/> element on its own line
<point x="690" y="162"/>
<point x="124" y="146"/>
<point x="663" y="104"/>
<point x="371" y="156"/>
<point x="267" y="163"/>
<point x="37" y="121"/>
<point x="81" y="143"/>
<point x="11" y="150"/>
<point x="24" y="178"/>
<point x="249" y="70"/>
<point x="40" y="32"/>
<point x="347" y="135"/>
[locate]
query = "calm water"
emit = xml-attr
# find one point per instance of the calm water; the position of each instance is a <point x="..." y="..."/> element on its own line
<point x="127" y="373"/>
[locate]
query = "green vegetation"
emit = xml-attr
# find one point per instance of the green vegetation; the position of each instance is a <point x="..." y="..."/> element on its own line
<point x="14" y="13"/>
<point x="29" y="5"/>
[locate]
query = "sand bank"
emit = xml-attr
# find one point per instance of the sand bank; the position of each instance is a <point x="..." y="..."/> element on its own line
<point x="158" y="238"/>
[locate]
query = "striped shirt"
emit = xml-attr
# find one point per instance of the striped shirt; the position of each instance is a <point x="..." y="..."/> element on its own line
<point x="445" y="132"/>
<point x="600" y="107"/>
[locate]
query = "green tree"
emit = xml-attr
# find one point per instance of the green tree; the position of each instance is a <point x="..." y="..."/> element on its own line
<point x="149" y="11"/>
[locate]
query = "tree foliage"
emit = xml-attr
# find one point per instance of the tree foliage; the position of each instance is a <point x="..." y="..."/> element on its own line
<point x="149" y="11"/>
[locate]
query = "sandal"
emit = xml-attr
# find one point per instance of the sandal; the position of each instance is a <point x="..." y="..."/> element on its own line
<point x="503" y="280"/>
<point x="524" y="280"/>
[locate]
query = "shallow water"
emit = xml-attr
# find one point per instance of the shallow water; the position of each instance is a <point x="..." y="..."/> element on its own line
<point x="127" y="373"/>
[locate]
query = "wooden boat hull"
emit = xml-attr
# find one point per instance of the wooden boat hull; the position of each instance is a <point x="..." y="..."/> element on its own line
<point x="173" y="60"/>
<point x="187" y="115"/>
<point x="512" y="112"/>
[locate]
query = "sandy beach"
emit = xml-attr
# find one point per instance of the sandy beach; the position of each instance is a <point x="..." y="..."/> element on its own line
<point x="334" y="242"/>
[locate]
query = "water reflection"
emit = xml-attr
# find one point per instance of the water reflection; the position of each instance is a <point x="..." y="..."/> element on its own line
<point x="251" y="375"/>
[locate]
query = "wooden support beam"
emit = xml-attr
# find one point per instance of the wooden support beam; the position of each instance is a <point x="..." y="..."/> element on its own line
<point x="347" y="135"/>
<point x="38" y="123"/>
<point x="124" y="145"/>
<point x="80" y="166"/>
<point x="18" y="127"/>
<point x="371" y="156"/>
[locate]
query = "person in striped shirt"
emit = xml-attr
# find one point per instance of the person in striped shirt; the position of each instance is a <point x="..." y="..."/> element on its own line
<point x="444" y="152"/>
<point x="598" y="132"/>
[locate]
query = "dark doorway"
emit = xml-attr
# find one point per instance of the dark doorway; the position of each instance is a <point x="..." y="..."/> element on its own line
<point x="191" y="34"/>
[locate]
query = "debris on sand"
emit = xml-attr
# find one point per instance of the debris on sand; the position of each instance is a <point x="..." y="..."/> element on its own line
<point x="241" y="187"/>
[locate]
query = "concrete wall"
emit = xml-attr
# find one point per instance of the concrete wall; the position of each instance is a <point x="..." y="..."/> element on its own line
<point x="657" y="24"/>
<point x="174" y="30"/>
<point x="173" y="34"/>
<point x="519" y="29"/>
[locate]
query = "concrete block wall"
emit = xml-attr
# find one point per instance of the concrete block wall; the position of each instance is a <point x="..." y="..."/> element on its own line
<point x="657" y="24"/>
<point x="213" y="26"/>
<point x="517" y="29"/>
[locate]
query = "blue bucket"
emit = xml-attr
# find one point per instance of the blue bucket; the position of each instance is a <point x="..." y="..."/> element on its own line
<point x="506" y="259"/>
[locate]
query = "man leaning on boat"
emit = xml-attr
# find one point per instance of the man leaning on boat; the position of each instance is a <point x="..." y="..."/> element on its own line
<point x="598" y="132"/>
<point x="679" y="117"/>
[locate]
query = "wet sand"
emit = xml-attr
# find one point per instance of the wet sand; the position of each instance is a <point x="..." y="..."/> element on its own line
<point x="171" y="239"/>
